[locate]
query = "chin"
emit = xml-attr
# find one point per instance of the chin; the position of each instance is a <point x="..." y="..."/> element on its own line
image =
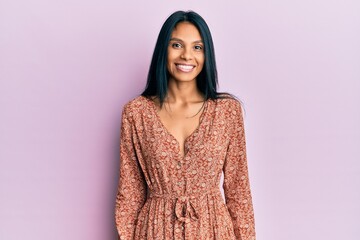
<point x="184" y="79"/>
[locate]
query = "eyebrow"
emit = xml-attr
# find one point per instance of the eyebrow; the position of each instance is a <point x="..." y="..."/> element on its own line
<point x="178" y="39"/>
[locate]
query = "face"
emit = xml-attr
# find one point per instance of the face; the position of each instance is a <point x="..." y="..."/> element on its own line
<point x="185" y="52"/>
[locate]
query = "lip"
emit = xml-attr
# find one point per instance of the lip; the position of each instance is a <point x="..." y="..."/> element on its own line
<point x="183" y="67"/>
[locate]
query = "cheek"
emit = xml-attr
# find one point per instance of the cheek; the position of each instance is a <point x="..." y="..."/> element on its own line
<point x="169" y="67"/>
<point x="171" y="55"/>
<point x="170" y="58"/>
<point x="201" y="61"/>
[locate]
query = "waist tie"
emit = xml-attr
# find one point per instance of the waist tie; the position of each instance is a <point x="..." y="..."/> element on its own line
<point x="184" y="208"/>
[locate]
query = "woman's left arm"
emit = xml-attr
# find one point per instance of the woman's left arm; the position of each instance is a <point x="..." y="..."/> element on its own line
<point x="236" y="178"/>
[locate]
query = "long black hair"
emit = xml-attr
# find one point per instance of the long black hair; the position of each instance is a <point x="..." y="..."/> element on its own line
<point x="158" y="76"/>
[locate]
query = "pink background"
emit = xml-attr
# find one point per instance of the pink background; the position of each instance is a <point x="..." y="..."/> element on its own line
<point x="68" y="67"/>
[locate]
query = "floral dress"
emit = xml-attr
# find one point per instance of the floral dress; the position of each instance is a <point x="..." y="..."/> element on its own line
<point x="164" y="195"/>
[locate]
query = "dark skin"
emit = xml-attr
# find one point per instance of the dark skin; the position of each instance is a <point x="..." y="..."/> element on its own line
<point x="183" y="100"/>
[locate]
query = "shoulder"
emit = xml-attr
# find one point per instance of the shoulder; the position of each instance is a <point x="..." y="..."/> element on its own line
<point x="229" y="104"/>
<point x="134" y="106"/>
<point x="135" y="103"/>
<point x="230" y="109"/>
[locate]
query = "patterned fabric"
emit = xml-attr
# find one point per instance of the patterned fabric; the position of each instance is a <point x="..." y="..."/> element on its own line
<point x="162" y="195"/>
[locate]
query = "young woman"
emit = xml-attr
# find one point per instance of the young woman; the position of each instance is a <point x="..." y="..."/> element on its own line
<point x="177" y="138"/>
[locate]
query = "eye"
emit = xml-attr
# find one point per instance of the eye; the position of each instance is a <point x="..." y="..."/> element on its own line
<point x="198" y="47"/>
<point x="176" y="45"/>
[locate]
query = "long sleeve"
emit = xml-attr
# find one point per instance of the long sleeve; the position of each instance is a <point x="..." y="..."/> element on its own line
<point x="131" y="193"/>
<point x="236" y="178"/>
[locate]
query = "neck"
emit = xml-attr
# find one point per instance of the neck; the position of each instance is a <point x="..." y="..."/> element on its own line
<point x="183" y="92"/>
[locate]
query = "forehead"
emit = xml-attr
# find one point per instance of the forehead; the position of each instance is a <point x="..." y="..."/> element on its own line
<point x="186" y="31"/>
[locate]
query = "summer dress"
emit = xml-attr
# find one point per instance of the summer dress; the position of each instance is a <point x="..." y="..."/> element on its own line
<point x="162" y="195"/>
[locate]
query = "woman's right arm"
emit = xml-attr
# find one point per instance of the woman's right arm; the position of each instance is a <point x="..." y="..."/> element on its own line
<point x="131" y="193"/>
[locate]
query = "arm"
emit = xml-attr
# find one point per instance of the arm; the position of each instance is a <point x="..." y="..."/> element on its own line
<point x="236" y="179"/>
<point x="131" y="193"/>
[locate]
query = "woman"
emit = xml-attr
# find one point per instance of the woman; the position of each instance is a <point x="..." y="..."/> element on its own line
<point x="176" y="139"/>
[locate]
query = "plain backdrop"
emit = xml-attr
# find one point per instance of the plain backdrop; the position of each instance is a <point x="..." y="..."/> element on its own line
<point x="68" y="67"/>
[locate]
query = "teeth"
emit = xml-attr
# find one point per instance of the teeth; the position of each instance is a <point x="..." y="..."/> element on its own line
<point x="185" y="67"/>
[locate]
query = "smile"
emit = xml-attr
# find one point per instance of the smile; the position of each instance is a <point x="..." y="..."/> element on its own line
<point x="185" y="68"/>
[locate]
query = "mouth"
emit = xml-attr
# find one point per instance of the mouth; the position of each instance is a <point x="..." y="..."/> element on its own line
<point x="184" y="67"/>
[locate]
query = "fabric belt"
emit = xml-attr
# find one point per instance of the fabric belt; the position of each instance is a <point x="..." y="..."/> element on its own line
<point x="185" y="209"/>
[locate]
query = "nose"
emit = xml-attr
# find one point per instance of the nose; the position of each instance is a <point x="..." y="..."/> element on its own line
<point x="186" y="54"/>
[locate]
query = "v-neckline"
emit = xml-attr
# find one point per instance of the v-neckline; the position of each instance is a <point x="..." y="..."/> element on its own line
<point x="201" y="123"/>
